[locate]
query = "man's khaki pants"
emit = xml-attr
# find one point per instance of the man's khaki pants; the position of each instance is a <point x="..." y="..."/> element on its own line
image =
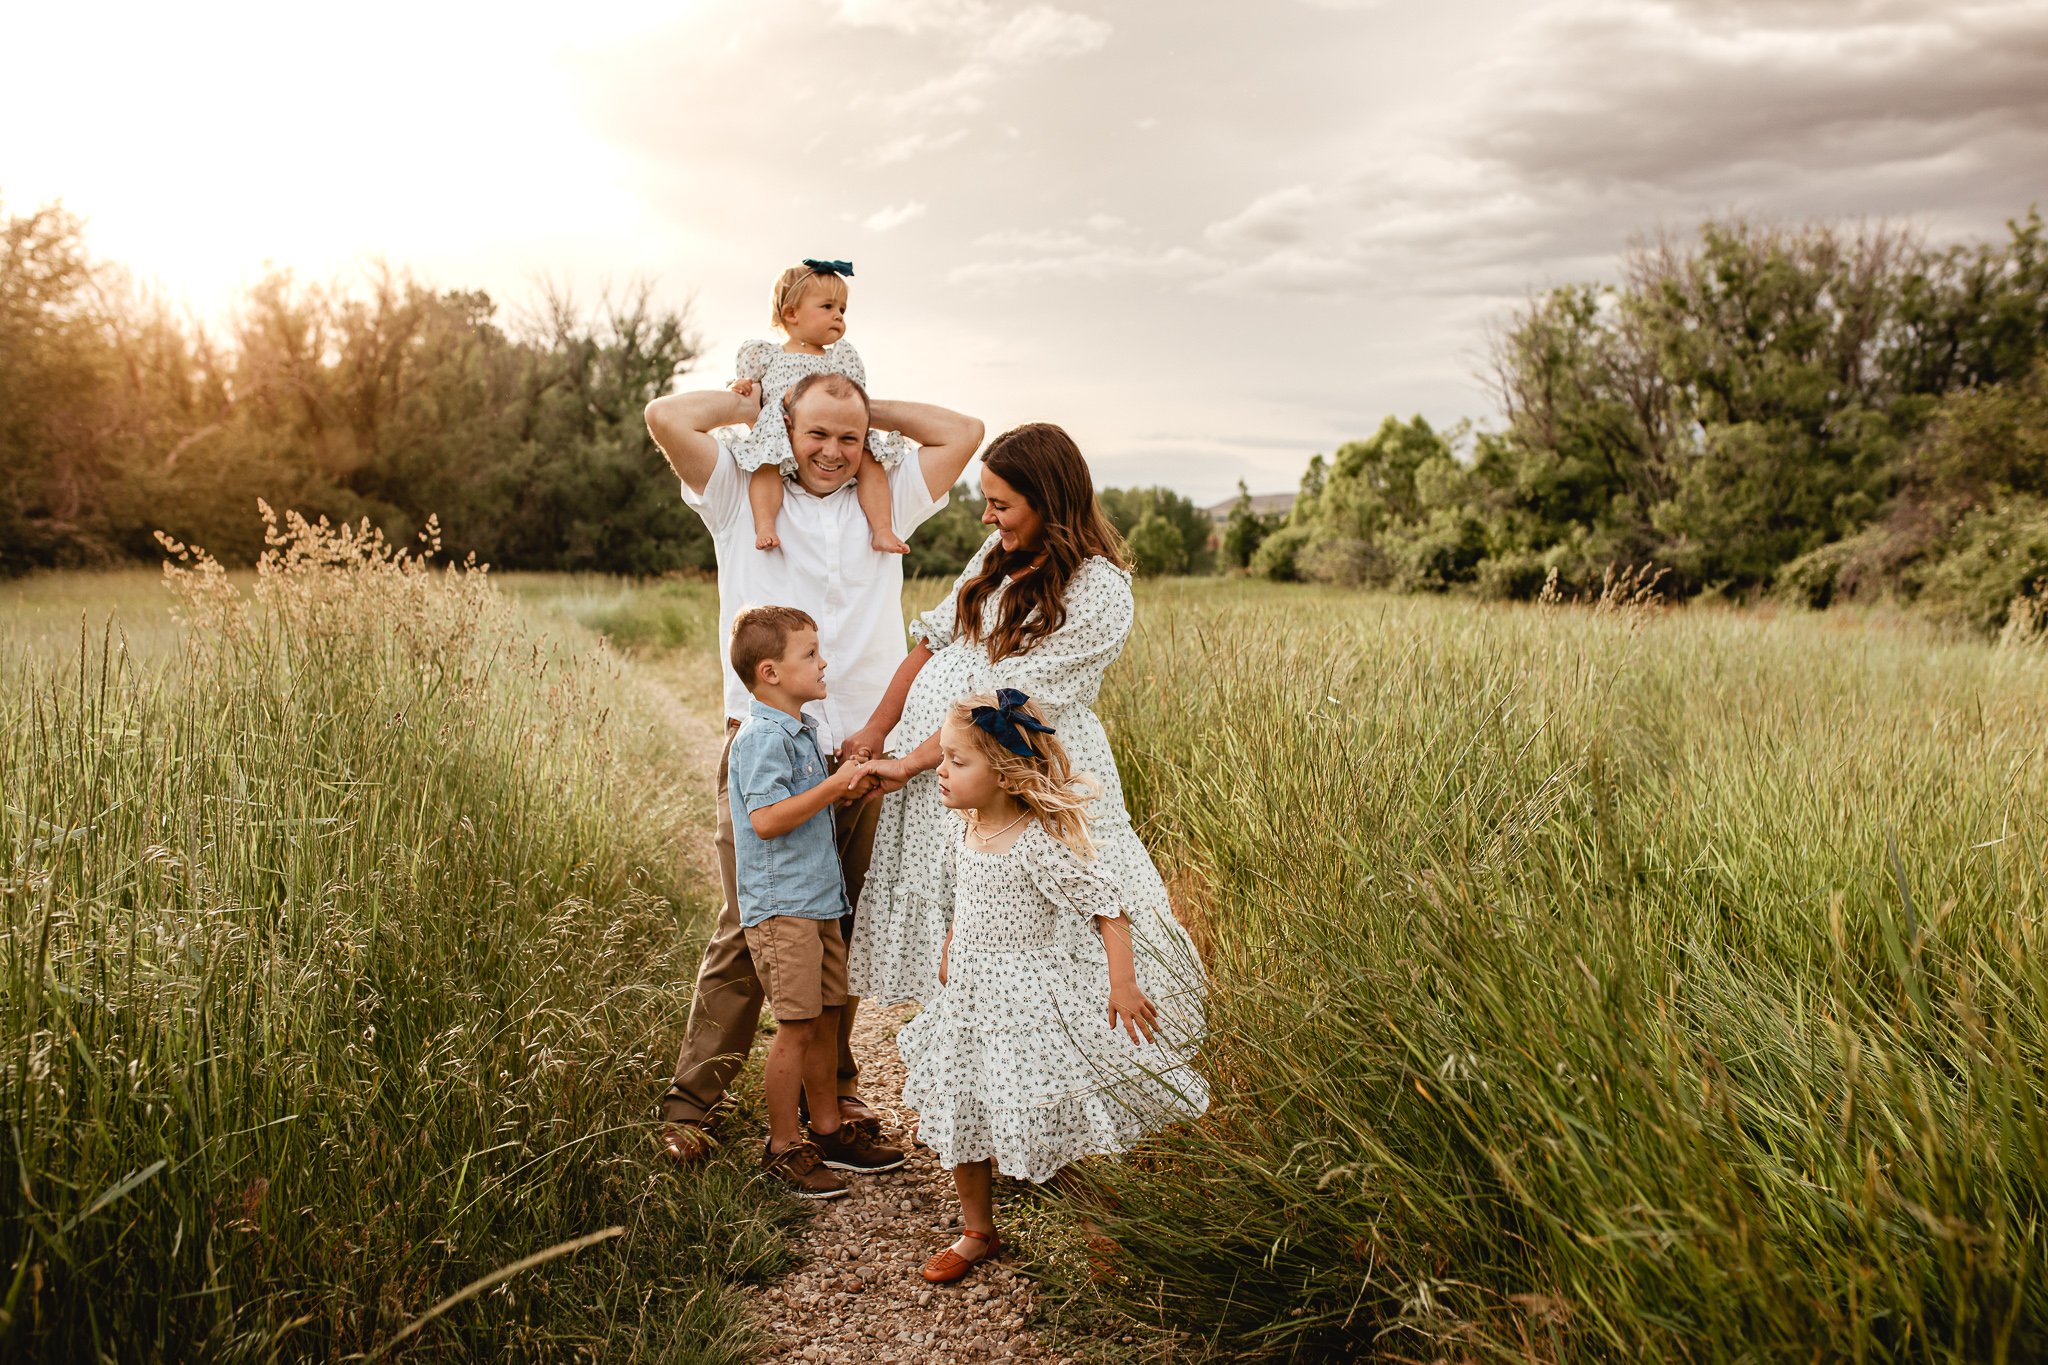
<point x="726" y="1006"/>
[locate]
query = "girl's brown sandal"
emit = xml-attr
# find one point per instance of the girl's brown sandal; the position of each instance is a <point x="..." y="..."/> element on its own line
<point x="949" y="1265"/>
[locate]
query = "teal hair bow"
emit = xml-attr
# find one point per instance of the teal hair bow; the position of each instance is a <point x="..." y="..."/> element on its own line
<point x="1006" y="722"/>
<point x="830" y="267"/>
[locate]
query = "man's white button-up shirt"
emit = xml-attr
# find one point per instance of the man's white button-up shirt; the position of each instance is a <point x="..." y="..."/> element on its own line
<point x="826" y="567"/>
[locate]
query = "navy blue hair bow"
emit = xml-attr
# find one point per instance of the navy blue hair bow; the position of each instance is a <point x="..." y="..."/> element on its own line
<point x="1007" y="722"/>
<point x="830" y="267"/>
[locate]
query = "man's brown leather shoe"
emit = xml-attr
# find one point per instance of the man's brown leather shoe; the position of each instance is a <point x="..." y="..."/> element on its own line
<point x="686" y="1144"/>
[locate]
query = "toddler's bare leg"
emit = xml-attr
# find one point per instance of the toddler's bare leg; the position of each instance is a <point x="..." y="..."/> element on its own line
<point x="872" y="487"/>
<point x="764" y="495"/>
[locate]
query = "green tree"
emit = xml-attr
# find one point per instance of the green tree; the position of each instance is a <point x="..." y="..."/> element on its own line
<point x="1245" y="531"/>
<point x="942" y="546"/>
<point x="1157" y="547"/>
<point x="53" y="373"/>
<point x="1127" y="509"/>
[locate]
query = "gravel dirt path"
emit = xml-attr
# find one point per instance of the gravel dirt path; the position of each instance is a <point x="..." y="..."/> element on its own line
<point x="858" y="1296"/>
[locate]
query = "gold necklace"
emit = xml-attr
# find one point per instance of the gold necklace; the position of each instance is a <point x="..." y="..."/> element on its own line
<point x="984" y="839"/>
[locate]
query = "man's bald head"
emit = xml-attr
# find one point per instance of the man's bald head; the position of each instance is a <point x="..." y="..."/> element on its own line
<point x="828" y="385"/>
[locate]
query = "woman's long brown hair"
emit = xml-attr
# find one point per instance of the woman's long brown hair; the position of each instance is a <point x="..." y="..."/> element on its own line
<point x="1046" y="468"/>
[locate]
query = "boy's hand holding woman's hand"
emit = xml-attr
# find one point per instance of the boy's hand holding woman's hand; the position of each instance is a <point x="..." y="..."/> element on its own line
<point x="855" y="778"/>
<point x="882" y="774"/>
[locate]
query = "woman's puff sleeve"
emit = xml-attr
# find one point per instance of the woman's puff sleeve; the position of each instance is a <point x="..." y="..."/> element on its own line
<point x="755" y="358"/>
<point x="1066" y="667"/>
<point x="937" y="627"/>
<point x="1068" y="881"/>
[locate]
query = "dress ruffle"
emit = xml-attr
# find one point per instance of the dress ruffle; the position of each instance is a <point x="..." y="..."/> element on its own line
<point x="768" y="443"/>
<point x="1015" y="1062"/>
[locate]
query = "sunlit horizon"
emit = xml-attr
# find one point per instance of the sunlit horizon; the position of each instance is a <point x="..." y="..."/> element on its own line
<point x="1212" y="244"/>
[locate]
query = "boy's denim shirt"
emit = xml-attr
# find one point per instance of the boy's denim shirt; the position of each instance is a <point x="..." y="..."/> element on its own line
<point x="775" y="756"/>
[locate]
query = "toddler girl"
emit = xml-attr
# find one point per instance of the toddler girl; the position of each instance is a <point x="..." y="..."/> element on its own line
<point x="809" y="309"/>
<point x="1028" y="1058"/>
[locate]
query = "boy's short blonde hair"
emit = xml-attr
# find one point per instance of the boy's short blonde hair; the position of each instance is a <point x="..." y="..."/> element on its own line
<point x="794" y="283"/>
<point x="760" y="634"/>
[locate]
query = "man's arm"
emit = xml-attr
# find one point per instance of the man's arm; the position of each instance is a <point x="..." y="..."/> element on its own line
<point x="949" y="438"/>
<point x="681" y="422"/>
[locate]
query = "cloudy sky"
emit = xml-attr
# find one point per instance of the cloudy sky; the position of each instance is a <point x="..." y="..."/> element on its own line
<point x="1210" y="238"/>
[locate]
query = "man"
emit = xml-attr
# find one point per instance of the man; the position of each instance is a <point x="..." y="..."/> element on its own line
<point x="827" y="567"/>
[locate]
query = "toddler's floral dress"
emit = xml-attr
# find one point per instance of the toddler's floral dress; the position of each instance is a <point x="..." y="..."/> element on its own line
<point x="775" y="370"/>
<point x="1014" y="1060"/>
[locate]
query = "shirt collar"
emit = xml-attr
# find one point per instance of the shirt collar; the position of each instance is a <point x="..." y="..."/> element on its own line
<point x="791" y="725"/>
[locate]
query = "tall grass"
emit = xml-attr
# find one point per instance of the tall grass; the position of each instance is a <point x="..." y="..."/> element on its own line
<point x="1593" y="985"/>
<point x="339" y="968"/>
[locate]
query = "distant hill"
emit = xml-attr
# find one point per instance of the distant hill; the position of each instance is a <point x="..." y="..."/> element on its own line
<point x="1265" y="504"/>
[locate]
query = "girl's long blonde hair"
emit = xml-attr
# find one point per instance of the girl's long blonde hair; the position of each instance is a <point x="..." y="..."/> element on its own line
<point x="1045" y="783"/>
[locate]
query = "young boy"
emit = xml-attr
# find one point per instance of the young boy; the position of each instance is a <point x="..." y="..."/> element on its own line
<point x="791" y="896"/>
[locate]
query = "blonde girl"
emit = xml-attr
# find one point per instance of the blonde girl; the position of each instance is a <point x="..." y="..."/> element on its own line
<point x="809" y="309"/>
<point x="1029" y="1057"/>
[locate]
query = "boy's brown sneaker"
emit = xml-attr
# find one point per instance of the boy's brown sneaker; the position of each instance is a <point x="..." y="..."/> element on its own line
<point x="802" y="1168"/>
<point x="849" y="1147"/>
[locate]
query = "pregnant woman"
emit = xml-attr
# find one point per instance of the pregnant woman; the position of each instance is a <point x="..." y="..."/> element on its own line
<point x="1044" y="607"/>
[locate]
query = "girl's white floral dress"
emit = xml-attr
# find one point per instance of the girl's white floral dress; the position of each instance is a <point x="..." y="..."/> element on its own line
<point x="775" y="370"/>
<point x="908" y="898"/>
<point x="1015" y="1060"/>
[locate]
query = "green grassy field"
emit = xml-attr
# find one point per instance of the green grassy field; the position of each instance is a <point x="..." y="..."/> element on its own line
<point x="1588" y="985"/>
<point x="1594" y="985"/>
<point x="345" y="944"/>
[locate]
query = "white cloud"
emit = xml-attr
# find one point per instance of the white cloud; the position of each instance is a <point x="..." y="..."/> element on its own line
<point x="1276" y="218"/>
<point x="894" y="216"/>
<point x="956" y="94"/>
<point x="1034" y="239"/>
<point x="986" y="31"/>
<point x="909" y="16"/>
<point x="1611" y="118"/>
<point x="1042" y="33"/>
<point x="910" y="145"/>
<point x="1089" y="263"/>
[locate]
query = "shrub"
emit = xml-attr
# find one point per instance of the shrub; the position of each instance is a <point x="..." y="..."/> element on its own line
<point x="1993" y="556"/>
<point x="1278" y="555"/>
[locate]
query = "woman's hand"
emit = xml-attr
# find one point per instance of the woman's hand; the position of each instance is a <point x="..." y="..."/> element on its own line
<point x="945" y="951"/>
<point x="854" y="783"/>
<point x="743" y="387"/>
<point x="889" y="774"/>
<point x="862" y="745"/>
<point x="1130" y="1010"/>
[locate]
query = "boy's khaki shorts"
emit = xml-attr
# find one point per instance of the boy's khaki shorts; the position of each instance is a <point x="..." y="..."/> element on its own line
<point x="801" y="964"/>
